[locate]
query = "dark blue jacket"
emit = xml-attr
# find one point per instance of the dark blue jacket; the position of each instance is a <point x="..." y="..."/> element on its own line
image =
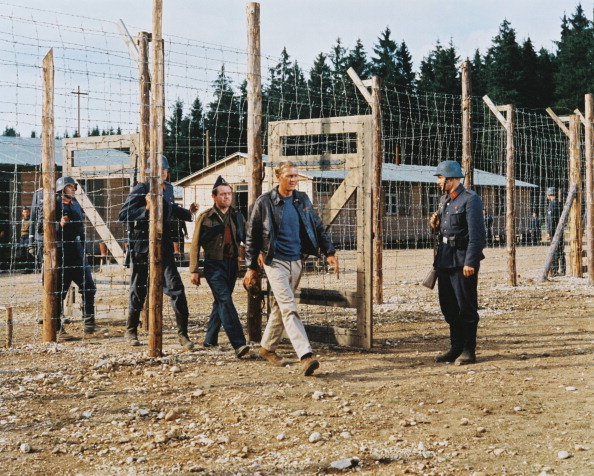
<point x="36" y="219"/>
<point x="463" y="230"/>
<point x="134" y="213"/>
<point x="70" y="237"/>
<point x="265" y="220"/>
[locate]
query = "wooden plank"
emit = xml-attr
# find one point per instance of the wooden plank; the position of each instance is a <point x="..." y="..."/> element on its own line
<point x="306" y="127"/>
<point x="558" y="121"/>
<point x="327" y="297"/>
<point x="155" y="291"/>
<point x="102" y="229"/>
<point x="467" y="162"/>
<point x="360" y="86"/>
<point x="341" y="196"/>
<point x="558" y="233"/>
<point x="575" y="215"/>
<point x="254" y="141"/>
<point x="121" y="141"/>
<point x="495" y="110"/>
<point x="589" y="151"/>
<point x="333" y="335"/>
<point x="50" y="253"/>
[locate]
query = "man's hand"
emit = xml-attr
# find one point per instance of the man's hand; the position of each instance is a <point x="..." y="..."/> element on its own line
<point x="333" y="263"/>
<point x="435" y="221"/>
<point x="250" y="275"/>
<point x="148" y="202"/>
<point x="31" y="251"/>
<point x="467" y="271"/>
<point x="261" y="261"/>
<point x="194" y="207"/>
<point x="195" y="279"/>
<point x="64" y="221"/>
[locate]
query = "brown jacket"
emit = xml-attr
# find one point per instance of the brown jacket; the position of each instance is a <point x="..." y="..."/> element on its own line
<point x="209" y="233"/>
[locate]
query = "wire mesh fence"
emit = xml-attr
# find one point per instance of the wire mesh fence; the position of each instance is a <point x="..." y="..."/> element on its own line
<point x="97" y="99"/>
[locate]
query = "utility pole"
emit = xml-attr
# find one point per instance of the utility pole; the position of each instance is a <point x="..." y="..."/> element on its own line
<point x="79" y="94"/>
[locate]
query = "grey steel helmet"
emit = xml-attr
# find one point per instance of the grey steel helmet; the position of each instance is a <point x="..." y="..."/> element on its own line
<point x="551" y="191"/>
<point x="449" y="169"/>
<point x="63" y="181"/>
<point x="164" y="164"/>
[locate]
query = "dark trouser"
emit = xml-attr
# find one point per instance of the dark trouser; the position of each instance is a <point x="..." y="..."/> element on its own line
<point x="81" y="275"/>
<point x="459" y="305"/>
<point x="27" y="261"/>
<point x="221" y="276"/>
<point x="172" y="287"/>
<point x="558" y="265"/>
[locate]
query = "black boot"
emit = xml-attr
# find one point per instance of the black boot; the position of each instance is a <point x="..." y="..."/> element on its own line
<point x="182" y="332"/>
<point x="456" y="346"/>
<point x="468" y="355"/>
<point x="131" y="334"/>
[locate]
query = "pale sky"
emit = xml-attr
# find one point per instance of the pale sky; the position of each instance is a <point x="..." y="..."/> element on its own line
<point x="307" y="27"/>
<point x="89" y="53"/>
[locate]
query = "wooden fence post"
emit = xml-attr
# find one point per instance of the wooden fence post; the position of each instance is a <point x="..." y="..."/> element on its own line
<point x="50" y="253"/>
<point x="589" y="150"/>
<point x="510" y="227"/>
<point x="9" y="327"/>
<point x="575" y="216"/>
<point x="144" y="131"/>
<point x="467" y="162"/>
<point x="378" y="202"/>
<point x="254" y="142"/>
<point x="155" y="291"/>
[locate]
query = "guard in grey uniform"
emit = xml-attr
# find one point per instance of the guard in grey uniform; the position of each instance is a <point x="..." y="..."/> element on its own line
<point x="136" y="213"/>
<point x="461" y="226"/>
<point x="554" y="211"/>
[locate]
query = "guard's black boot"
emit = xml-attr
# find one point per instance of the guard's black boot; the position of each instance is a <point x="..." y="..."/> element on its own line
<point x="182" y="332"/>
<point x="468" y="355"/>
<point x="456" y="346"/>
<point x="131" y="334"/>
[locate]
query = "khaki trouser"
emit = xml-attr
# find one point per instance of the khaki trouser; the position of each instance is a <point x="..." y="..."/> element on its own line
<point x="284" y="277"/>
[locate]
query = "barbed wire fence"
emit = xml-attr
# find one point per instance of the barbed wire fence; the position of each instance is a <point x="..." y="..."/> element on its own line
<point x="206" y="113"/>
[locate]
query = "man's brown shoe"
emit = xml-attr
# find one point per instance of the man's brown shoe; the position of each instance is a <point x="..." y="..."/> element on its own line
<point x="309" y="365"/>
<point x="271" y="357"/>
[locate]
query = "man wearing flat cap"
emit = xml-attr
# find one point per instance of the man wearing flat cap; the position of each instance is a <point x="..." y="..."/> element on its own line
<point x="220" y="232"/>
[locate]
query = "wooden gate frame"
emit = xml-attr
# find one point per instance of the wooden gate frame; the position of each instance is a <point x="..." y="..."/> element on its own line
<point x="359" y="179"/>
<point x="69" y="147"/>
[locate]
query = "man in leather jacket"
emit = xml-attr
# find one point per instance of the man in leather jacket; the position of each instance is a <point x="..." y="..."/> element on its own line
<point x="220" y="231"/>
<point x="283" y="227"/>
<point x="136" y="212"/>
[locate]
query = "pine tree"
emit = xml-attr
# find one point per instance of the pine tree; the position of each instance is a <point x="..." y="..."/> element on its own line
<point x="320" y="87"/>
<point x="405" y="67"/>
<point x="575" y="74"/>
<point x="439" y="71"/>
<point x="384" y="62"/>
<point x="197" y="159"/>
<point x="357" y="59"/>
<point x="478" y="80"/>
<point x="176" y="148"/>
<point x="286" y="95"/>
<point x="503" y="67"/>
<point x="529" y="93"/>
<point x="545" y="86"/>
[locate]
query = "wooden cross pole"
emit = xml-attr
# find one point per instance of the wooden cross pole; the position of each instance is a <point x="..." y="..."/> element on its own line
<point x="575" y="216"/>
<point x="50" y="252"/>
<point x="507" y="122"/>
<point x="374" y="100"/>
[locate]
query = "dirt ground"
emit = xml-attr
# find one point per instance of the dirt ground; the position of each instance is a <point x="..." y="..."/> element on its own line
<point x="98" y="407"/>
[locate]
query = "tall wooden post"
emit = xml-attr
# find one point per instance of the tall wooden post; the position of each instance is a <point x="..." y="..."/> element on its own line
<point x="50" y="253"/>
<point x="510" y="229"/>
<point x="378" y="202"/>
<point x="575" y="215"/>
<point x="467" y="162"/>
<point x="589" y="150"/>
<point x="155" y="291"/>
<point x="254" y="140"/>
<point x="510" y="188"/>
<point x="144" y="131"/>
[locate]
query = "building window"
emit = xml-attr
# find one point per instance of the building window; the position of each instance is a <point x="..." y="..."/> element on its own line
<point x="398" y="198"/>
<point x="430" y="195"/>
<point x="326" y="186"/>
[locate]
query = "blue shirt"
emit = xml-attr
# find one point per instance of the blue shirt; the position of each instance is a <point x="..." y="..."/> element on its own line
<point x="288" y="245"/>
